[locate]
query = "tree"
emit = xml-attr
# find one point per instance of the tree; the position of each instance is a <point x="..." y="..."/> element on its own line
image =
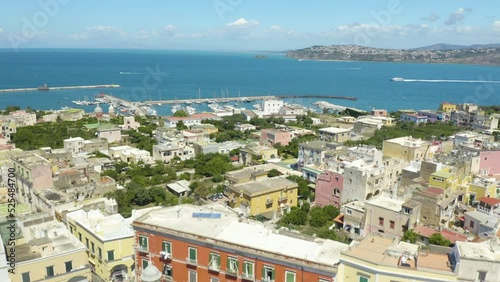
<point x="180" y="125"/>
<point x="411" y="236"/>
<point x="318" y="217"/>
<point x="273" y="173"/>
<point x="438" y="239"/>
<point x="296" y="216"/>
<point x="181" y="113"/>
<point x="331" y="212"/>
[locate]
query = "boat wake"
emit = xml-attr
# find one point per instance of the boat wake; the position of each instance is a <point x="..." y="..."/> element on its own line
<point x="131" y="73"/>
<point x="450" y="80"/>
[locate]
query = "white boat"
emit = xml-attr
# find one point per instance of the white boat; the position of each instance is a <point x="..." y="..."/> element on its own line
<point x="176" y="108"/>
<point x="190" y="110"/>
<point x="397" y="79"/>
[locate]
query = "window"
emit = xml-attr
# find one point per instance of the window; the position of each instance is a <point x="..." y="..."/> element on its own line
<point x="471" y="224"/>
<point x="50" y="271"/>
<point x="323" y="280"/>
<point x="166" y="247"/>
<point x="248" y="269"/>
<point x="80" y="236"/>
<point x="193" y="276"/>
<point x="363" y="279"/>
<point x="407" y="210"/>
<point x="87" y="242"/>
<point x="213" y="279"/>
<point x="381" y="221"/>
<point x="290" y="276"/>
<point x="232" y="265"/>
<point x="99" y="253"/>
<point x="143" y="243"/>
<point x="481" y="276"/>
<point x="111" y="255"/>
<point x="349" y="212"/>
<point x="145" y="263"/>
<point x="167" y="270"/>
<point x="267" y="273"/>
<point x="26" y="277"/>
<point x="193" y="254"/>
<point x="93" y="247"/>
<point x="391" y="224"/>
<point x="214" y="261"/>
<point x="68" y="265"/>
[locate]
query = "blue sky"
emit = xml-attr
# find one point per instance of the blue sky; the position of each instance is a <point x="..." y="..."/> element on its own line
<point x="245" y="24"/>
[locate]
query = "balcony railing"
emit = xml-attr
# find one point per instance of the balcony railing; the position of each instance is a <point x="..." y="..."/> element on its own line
<point x="142" y="249"/>
<point x="191" y="261"/>
<point x="168" y="278"/>
<point x="214" y="268"/>
<point x="248" y="276"/>
<point x="283" y="198"/>
<point x="232" y="272"/>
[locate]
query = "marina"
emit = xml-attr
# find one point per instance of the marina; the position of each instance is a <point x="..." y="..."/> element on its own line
<point x="47" y="88"/>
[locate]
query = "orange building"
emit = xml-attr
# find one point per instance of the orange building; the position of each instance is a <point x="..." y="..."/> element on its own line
<point x="212" y="243"/>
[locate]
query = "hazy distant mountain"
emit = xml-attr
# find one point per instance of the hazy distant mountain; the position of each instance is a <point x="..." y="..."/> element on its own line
<point x="439" y="53"/>
<point x="444" y="46"/>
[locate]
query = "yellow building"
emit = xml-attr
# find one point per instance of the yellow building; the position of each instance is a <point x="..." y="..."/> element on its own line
<point x="447" y="107"/>
<point x="265" y="196"/>
<point x="382" y="259"/>
<point x="444" y="179"/>
<point x="407" y="149"/>
<point x="481" y="187"/>
<point x="108" y="240"/>
<point x="48" y="252"/>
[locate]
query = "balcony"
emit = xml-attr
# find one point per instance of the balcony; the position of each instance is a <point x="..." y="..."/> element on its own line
<point x="168" y="278"/>
<point x="215" y="268"/>
<point x="267" y="280"/>
<point x="248" y="277"/>
<point x="269" y="202"/>
<point x="142" y="249"/>
<point x="232" y="272"/>
<point x="283" y="198"/>
<point x="193" y="262"/>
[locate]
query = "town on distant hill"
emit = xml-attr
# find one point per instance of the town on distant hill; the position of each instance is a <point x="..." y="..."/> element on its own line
<point x="439" y="53"/>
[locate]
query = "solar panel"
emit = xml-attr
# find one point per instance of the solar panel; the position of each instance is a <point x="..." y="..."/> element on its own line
<point x="206" y="215"/>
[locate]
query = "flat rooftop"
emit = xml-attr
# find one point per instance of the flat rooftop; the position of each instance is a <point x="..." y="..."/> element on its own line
<point x="408" y="141"/>
<point x="385" y="202"/>
<point x="247" y="234"/>
<point x="107" y="227"/>
<point x="481" y="251"/>
<point x="264" y="186"/>
<point x="334" y="130"/>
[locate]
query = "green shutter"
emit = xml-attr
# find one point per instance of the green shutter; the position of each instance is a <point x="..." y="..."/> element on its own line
<point x="227" y="263"/>
<point x="145" y="264"/>
<point x="263" y="273"/>
<point x="218" y="260"/>
<point x="290" y="276"/>
<point x="272" y="275"/>
<point x="192" y="254"/>
<point x="363" y="279"/>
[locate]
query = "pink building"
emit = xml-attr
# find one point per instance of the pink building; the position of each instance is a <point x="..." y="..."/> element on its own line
<point x="489" y="162"/>
<point x="269" y="137"/>
<point x="378" y="113"/>
<point x="329" y="187"/>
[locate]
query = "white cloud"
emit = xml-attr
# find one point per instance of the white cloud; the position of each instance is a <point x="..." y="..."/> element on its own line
<point x="457" y="16"/>
<point x="431" y="18"/>
<point x="496" y="26"/>
<point x="170" y="28"/>
<point x="243" y="23"/>
<point x="99" y="31"/>
<point x="1" y="30"/>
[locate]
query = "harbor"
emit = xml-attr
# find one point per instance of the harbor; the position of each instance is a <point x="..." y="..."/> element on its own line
<point x="47" y="88"/>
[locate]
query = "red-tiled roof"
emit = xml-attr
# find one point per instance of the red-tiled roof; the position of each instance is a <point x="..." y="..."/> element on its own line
<point x="434" y="190"/>
<point x="339" y="218"/>
<point x="490" y="201"/>
<point x="448" y="234"/>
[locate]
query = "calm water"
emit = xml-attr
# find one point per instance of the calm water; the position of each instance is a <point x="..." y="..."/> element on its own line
<point x="180" y="74"/>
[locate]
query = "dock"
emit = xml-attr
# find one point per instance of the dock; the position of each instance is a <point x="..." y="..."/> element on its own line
<point x="60" y="88"/>
<point x="132" y="106"/>
<point x="248" y="98"/>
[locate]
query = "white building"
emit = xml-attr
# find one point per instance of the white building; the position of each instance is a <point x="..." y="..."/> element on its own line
<point x="271" y="106"/>
<point x="129" y="123"/>
<point x="74" y="145"/>
<point x="166" y="152"/>
<point x="477" y="261"/>
<point x="130" y="155"/>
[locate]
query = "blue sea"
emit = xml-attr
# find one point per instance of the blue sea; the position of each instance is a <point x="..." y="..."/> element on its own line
<point x="153" y="75"/>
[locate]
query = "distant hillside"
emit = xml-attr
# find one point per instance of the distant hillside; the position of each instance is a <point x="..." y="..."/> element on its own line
<point x="444" y="46"/>
<point x="477" y="55"/>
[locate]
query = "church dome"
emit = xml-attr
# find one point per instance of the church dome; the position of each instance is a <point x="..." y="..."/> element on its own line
<point x="98" y="110"/>
<point x="111" y="109"/>
<point x="151" y="274"/>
